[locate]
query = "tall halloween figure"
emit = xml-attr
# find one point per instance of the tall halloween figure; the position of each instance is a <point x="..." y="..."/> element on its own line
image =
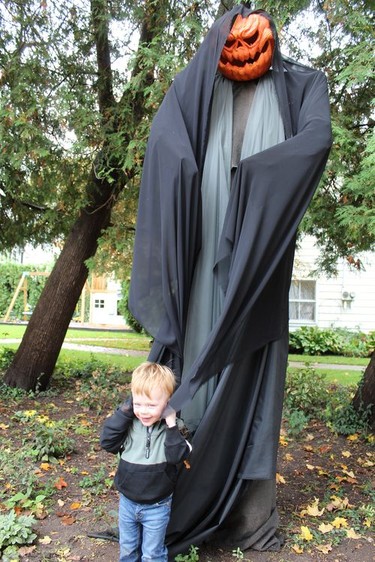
<point x="235" y="154"/>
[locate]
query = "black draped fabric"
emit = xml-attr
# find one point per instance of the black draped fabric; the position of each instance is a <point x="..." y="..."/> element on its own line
<point x="237" y="438"/>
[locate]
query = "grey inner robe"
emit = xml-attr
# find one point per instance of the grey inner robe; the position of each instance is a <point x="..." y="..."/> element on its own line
<point x="234" y="106"/>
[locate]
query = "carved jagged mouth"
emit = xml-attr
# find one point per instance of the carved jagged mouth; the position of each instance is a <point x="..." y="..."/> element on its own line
<point x="240" y="63"/>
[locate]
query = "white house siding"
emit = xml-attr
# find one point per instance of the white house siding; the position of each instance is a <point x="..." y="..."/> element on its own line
<point x="345" y="301"/>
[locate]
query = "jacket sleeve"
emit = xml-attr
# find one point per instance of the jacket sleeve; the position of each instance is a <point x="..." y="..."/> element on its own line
<point x="115" y="430"/>
<point x="177" y="448"/>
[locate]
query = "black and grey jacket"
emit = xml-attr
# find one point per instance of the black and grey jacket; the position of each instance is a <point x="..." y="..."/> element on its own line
<point x="148" y="466"/>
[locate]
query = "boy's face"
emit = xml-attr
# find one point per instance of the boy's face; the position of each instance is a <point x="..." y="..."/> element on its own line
<point x="149" y="409"/>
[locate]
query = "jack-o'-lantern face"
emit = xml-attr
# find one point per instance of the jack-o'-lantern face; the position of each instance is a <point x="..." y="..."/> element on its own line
<point x="247" y="53"/>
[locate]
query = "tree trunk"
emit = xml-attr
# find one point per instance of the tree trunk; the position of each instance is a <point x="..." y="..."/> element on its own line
<point x="36" y="357"/>
<point x="365" y="395"/>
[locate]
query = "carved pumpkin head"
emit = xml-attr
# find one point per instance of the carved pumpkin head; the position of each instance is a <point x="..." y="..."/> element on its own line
<point x="247" y="53"/>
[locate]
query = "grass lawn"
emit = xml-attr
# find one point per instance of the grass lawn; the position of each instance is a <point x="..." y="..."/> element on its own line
<point x="330" y="359"/>
<point x="338" y="376"/>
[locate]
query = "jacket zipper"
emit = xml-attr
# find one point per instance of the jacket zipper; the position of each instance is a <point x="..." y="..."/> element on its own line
<point x="148" y="442"/>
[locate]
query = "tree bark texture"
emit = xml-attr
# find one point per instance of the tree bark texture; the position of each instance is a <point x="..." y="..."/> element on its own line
<point x="365" y="395"/>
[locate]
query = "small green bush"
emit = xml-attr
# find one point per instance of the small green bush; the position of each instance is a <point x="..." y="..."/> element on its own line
<point x="48" y="443"/>
<point x="297" y="422"/>
<point x="306" y="390"/>
<point x="191" y="556"/>
<point x="346" y="420"/>
<point x="123" y="306"/>
<point x="342" y="417"/>
<point x="16" y="530"/>
<point x="106" y="387"/>
<point x="6" y="357"/>
<point x="311" y="340"/>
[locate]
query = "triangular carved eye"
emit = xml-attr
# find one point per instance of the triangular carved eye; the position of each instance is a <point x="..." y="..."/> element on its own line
<point x="253" y="39"/>
<point x="248" y="51"/>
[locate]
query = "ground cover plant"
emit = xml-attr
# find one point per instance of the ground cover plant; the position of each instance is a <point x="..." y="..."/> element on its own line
<point x="54" y="475"/>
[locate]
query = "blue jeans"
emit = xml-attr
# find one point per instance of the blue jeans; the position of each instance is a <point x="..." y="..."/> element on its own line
<point x="142" y="530"/>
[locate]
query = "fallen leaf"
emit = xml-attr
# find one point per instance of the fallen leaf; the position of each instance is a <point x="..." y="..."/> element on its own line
<point x="346" y="454"/>
<point x="351" y="534"/>
<point x="60" y="503"/>
<point x="340" y="522"/>
<point x="279" y="479"/>
<point x="310" y="466"/>
<point x="308" y="448"/>
<point x="348" y="479"/>
<point x="306" y="533"/>
<point x="60" y="484"/>
<point x="63" y="552"/>
<point x="325" y="528"/>
<point x="313" y="509"/>
<point x="45" y="540"/>
<point x="68" y="520"/>
<point x="297" y="549"/>
<point x="353" y="437"/>
<point x="365" y="463"/>
<point x="288" y="457"/>
<point x="3" y="426"/>
<point x="337" y="503"/>
<point x="25" y="550"/>
<point x="283" y="442"/>
<point x="45" y="466"/>
<point x="349" y="473"/>
<point x="324" y="548"/>
<point x="309" y="437"/>
<point x="75" y="505"/>
<point x="325" y="448"/>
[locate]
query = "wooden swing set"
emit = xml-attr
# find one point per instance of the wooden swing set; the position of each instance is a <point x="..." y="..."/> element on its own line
<point x="23" y="286"/>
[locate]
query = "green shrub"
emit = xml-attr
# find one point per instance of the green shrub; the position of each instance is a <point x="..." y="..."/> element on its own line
<point x="342" y="417"/>
<point x="105" y="388"/>
<point x="346" y="420"/>
<point x="123" y="306"/>
<point x="97" y="483"/>
<point x="297" y="421"/>
<point x="306" y="390"/>
<point x="191" y="556"/>
<point x="311" y="340"/>
<point x="49" y="442"/>
<point x="46" y="439"/>
<point x="6" y="357"/>
<point x="16" y="530"/>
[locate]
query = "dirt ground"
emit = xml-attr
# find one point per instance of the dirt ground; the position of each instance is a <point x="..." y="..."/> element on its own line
<point x="316" y="466"/>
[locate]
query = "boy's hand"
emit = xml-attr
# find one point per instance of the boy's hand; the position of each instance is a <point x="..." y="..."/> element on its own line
<point x="127" y="406"/>
<point x="169" y="414"/>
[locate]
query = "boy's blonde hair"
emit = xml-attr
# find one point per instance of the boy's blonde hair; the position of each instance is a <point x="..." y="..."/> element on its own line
<point x="149" y="375"/>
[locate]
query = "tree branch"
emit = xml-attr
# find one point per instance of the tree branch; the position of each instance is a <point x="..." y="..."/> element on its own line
<point x="100" y="16"/>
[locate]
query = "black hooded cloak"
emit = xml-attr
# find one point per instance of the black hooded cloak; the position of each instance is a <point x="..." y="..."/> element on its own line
<point x="235" y="445"/>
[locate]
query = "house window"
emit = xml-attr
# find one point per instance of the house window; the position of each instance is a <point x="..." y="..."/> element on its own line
<point x="302" y="300"/>
<point x="99" y="303"/>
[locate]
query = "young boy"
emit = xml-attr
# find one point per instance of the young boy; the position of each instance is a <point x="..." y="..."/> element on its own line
<point x="144" y="430"/>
